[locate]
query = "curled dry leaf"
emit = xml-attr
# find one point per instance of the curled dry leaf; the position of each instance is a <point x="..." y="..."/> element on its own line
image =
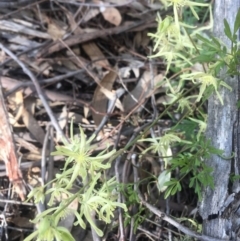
<point x="112" y="15"/>
<point x="30" y="122"/>
<point x="100" y="97"/>
<point x="141" y="92"/>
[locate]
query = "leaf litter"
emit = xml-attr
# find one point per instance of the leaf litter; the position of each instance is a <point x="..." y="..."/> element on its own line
<point x="82" y="55"/>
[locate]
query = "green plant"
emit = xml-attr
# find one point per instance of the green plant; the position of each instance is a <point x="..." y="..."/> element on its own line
<point x="132" y="200"/>
<point x="96" y="195"/>
<point x="190" y="161"/>
<point x="182" y="46"/>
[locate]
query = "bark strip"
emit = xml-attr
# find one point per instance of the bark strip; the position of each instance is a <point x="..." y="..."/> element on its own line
<point x="221" y="120"/>
<point x="8" y="152"/>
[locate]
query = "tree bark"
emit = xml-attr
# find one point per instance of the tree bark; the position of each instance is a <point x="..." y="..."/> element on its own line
<point x="219" y="207"/>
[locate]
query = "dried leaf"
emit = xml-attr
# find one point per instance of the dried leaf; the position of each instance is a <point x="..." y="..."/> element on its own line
<point x="2" y="56"/>
<point x="55" y="30"/>
<point x="136" y="71"/>
<point x="92" y="12"/>
<point x="22" y="222"/>
<point x="138" y="6"/>
<point x="141" y="39"/>
<point x="94" y="53"/>
<point x="119" y="105"/>
<point x="85" y="111"/>
<point x="112" y="15"/>
<point x="31" y="122"/>
<point x="100" y="100"/>
<point x="27" y="145"/>
<point x="16" y="101"/>
<point x="124" y="72"/>
<point x="141" y="91"/>
<point x="164" y="99"/>
<point x="62" y="120"/>
<point x="91" y="49"/>
<point x="78" y="118"/>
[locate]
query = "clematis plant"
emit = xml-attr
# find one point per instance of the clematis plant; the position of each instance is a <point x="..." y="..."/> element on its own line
<point x="83" y="165"/>
<point x="179" y="4"/>
<point x="206" y="79"/>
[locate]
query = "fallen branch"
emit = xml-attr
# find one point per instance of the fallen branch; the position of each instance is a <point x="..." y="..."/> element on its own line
<point x="8" y="152"/>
